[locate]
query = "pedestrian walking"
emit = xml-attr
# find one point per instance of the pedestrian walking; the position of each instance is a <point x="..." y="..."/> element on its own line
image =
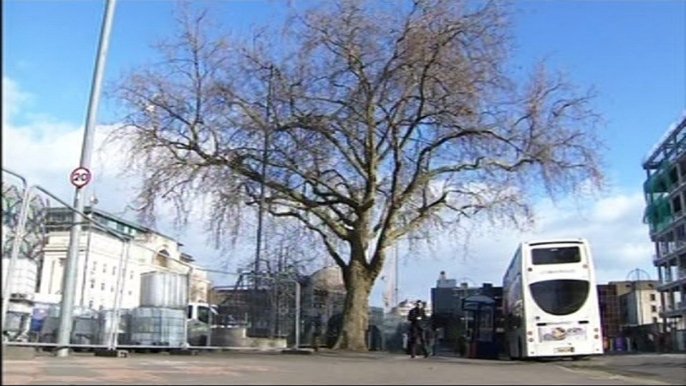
<point x="417" y="318"/>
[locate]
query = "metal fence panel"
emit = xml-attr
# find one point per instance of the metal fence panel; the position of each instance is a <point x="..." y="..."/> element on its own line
<point x="256" y="311"/>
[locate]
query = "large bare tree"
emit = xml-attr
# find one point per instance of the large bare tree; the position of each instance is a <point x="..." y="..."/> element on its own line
<point x="366" y="122"/>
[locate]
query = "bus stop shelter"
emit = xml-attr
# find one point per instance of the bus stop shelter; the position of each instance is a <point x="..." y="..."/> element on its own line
<point x="481" y="309"/>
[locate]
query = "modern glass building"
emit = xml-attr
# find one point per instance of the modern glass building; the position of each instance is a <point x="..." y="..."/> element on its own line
<point x="665" y="214"/>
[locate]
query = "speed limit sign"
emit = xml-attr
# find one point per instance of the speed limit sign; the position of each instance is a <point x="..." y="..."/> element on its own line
<point x="80" y="177"/>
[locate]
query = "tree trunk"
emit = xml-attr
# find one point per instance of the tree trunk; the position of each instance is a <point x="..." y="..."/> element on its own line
<point x="356" y="314"/>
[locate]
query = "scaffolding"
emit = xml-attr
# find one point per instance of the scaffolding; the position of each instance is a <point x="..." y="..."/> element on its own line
<point x="662" y="177"/>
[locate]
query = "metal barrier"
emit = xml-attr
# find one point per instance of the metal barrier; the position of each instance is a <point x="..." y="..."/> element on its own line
<point x="131" y="291"/>
<point x="256" y="309"/>
<point x="135" y="290"/>
<point x="36" y="235"/>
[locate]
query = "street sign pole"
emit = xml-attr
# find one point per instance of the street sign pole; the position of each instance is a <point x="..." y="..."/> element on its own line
<point x="71" y="264"/>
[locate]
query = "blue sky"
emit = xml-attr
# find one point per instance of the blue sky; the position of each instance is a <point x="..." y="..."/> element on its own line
<point x="633" y="53"/>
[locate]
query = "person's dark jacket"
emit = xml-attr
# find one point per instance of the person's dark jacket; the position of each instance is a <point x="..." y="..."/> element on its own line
<point x="417" y="318"/>
<point x="416" y="315"/>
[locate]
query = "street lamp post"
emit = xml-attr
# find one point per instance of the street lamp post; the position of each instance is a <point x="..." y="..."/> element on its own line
<point x="69" y="279"/>
<point x="265" y="151"/>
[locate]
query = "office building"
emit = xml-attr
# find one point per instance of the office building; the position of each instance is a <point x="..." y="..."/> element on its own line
<point x="665" y="189"/>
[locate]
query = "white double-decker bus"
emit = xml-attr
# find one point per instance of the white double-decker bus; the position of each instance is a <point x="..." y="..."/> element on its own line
<point x="550" y="301"/>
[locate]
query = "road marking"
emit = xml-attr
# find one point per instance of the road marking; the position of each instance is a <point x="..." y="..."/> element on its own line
<point x="605" y="374"/>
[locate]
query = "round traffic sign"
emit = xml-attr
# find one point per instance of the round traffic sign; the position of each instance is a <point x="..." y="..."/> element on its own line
<point x="80" y="177"/>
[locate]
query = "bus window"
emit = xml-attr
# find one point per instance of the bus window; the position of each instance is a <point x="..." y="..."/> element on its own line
<point x="560" y="297"/>
<point x="555" y="255"/>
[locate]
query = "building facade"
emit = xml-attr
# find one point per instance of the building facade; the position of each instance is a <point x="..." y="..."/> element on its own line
<point x="610" y="313"/>
<point x="639" y="302"/>
<point x="107" y="262"/>
<point x="665" y="196"/>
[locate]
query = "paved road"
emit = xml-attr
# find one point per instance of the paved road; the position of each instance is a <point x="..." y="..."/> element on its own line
<point x="662" y="367"/>
<point x="323" y="368"/>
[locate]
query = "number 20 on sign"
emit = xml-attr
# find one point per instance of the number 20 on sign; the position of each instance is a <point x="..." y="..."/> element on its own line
<point x="80" y="177"/>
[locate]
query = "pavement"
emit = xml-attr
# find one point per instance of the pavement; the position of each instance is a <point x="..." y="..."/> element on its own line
<point x="323" y="368"/>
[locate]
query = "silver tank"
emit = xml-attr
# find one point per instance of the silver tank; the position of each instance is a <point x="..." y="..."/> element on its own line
<point x="24" y="277"/>
<point x="84" y="329"/>
<point x="164" y="289"/>
<point x="154" y="326"/>
<point x="108" y="325"/>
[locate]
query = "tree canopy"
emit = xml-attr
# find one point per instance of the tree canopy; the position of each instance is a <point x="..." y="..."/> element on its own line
<point x="364" y="122"/>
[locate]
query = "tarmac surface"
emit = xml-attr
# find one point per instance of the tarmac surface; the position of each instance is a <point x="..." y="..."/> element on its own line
<point x="229" y="368"/>
<point x="669" y="368"/>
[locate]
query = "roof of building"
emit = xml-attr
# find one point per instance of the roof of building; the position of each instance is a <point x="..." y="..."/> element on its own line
<point x="110" y="216"/>
<point x="670" y="141"/>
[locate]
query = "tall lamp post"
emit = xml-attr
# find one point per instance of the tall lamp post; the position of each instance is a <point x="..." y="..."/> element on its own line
<point x="69" y="279"/>
<point x="265" y="153"/>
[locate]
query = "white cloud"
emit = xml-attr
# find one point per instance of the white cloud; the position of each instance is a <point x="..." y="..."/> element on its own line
<point x="45" y="151"/>
<point x="12" y="99"/>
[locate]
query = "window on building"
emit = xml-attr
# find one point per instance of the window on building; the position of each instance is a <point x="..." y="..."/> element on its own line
<point x="104" y="268"/>
<point x="90" y="304"/>
<point x="102" y="286"/>
<point x="112" y="289"/>
<point x="681" y="233"/>
<point x="131" y="274"/>
<point x="676" y="205"/>
<point x="130" y="293"/>
<point x="92" y="284"/>
<point x="162" y="258"/>
<point x="653" y="308"/>
<point x="673" y="176"/>
<point x="654" y="320"/>
<point x="652" y="297"/>
<point x="114" y="270"/>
